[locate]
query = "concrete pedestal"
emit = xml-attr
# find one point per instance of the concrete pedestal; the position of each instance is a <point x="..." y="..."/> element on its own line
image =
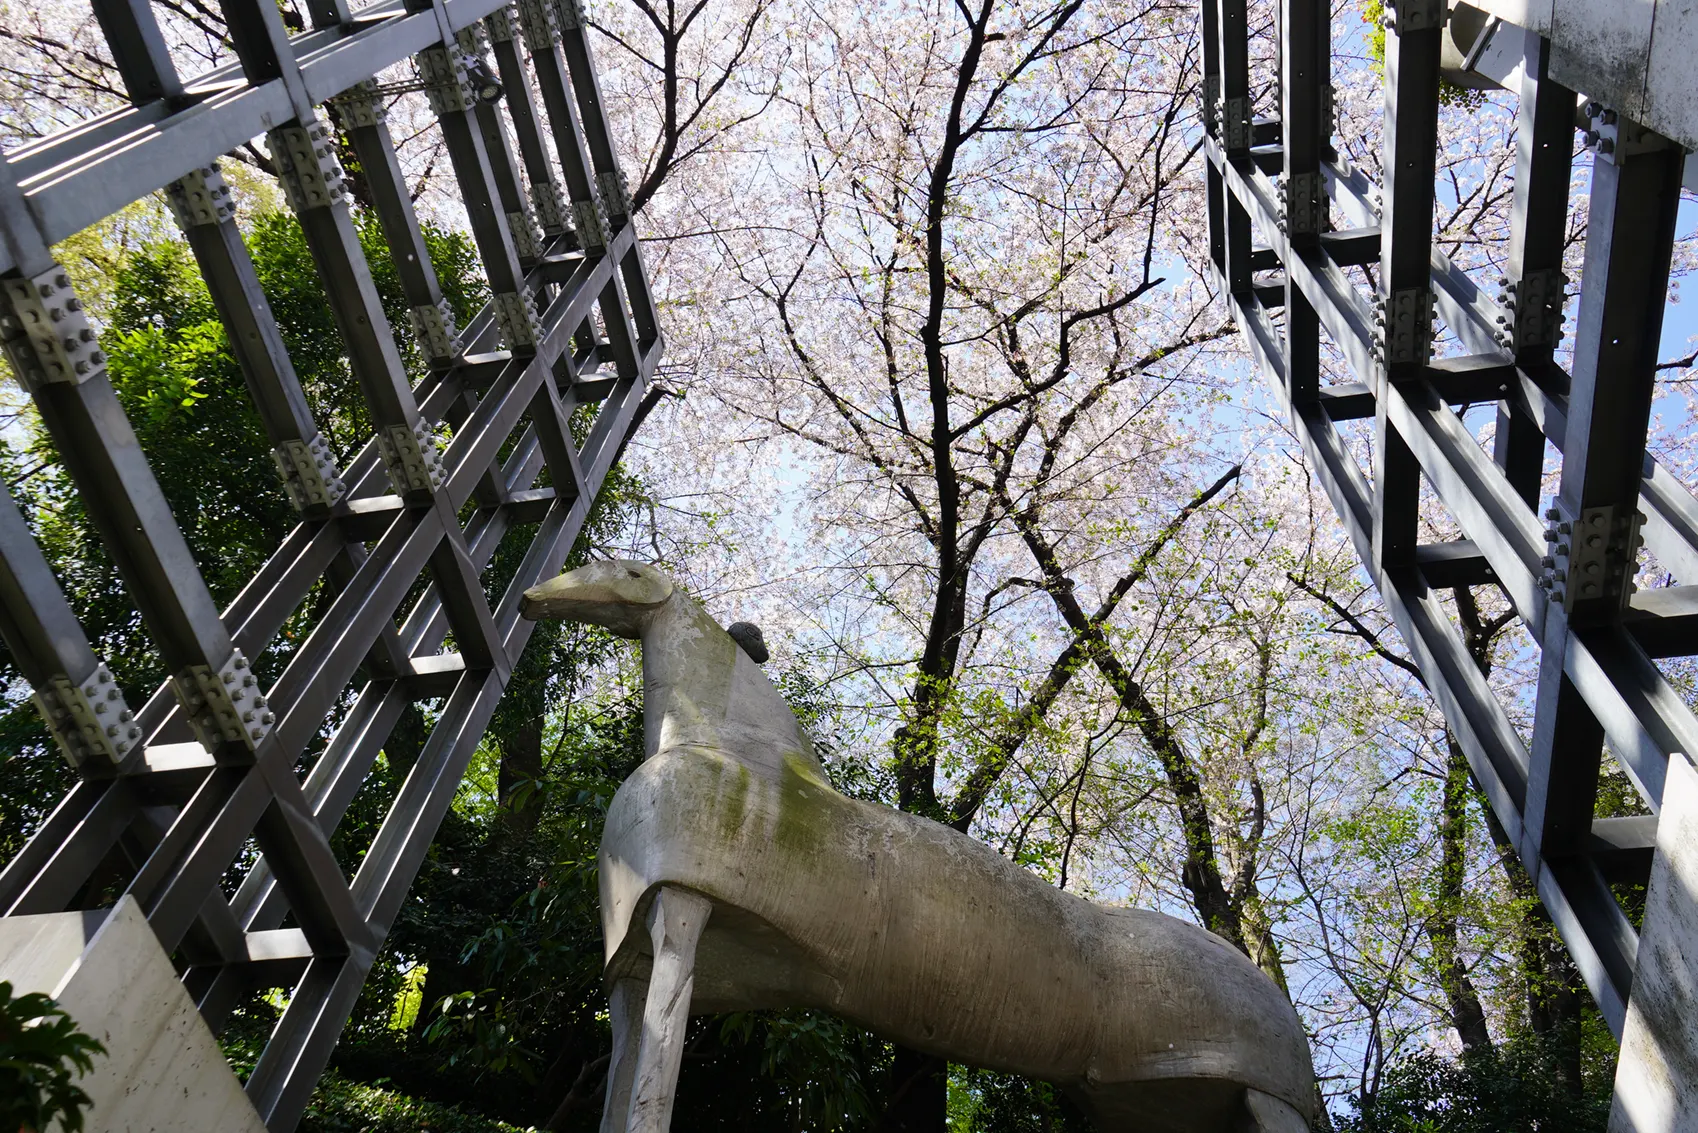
<point x="163" y="1071"/>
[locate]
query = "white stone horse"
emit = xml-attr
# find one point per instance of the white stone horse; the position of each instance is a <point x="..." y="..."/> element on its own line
<point x="734" y="877"/>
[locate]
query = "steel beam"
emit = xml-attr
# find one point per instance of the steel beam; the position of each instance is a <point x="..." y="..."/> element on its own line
<point x="1570" y="581"/>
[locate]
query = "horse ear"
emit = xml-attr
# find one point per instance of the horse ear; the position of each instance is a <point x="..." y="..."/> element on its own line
<point x="748" y="635"/>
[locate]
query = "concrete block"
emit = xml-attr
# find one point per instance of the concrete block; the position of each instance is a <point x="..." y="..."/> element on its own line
<point x="1534" y="15"/>
<point x="1633" y="56"/>
<point x="163" y="1071"/>
<point x="1671" y="87"/>
<point x="1656" y="1081"/>
<point x="1600" y="48"/>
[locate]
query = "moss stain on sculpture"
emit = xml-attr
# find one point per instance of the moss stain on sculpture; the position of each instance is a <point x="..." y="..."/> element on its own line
<point x="733" y="802"/>
<point x="805" y="809"/>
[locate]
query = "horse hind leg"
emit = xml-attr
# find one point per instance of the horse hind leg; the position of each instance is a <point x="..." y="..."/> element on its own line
<point x="1264" y="1113"/>
<point x="676" y="920"/>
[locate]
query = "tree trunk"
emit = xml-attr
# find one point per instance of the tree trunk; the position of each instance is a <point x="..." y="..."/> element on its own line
<point x="1466" y="1013"/>
<point x="583" y="1095"/>
<point x="521" y="764"/>
<point x="1554" y="996"/>
<point x="1257" y="926"/>
<point x="919" y="1094"/>
<point x="445" y="975"/>
<point x="1201" y="874"/>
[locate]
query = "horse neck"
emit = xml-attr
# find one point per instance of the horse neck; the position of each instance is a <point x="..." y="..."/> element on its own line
<point x="687" y="666"/>
<point x="701" y="691"/>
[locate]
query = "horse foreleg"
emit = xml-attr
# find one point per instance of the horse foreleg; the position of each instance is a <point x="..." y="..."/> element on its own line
<point x="625" y="1012"/>
<point x="675" y="925"/>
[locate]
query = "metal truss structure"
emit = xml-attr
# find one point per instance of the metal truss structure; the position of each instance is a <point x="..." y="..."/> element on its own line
<point x="1287" y="219"/>
<point x="169" y="792"/>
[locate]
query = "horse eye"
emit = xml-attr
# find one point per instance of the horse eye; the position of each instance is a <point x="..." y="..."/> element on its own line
<point x="633" y="574"/>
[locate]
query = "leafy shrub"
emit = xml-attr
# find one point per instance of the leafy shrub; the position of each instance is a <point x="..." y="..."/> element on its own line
<point x="1515" y="1088"/>
<point x="41" y="1052"/>
<point x="341" y="1106"/>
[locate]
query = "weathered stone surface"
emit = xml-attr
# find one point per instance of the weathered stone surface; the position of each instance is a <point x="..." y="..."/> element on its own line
<point x="914" y="930"/>
<point x="1630" y="55"/>
<point x="1656" y="1085"/>
<point x="163" y="1071"/>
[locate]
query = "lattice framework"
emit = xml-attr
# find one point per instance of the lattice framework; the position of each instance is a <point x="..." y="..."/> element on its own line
<point x="173" y="789"/>
<point x="1275" y="185"/>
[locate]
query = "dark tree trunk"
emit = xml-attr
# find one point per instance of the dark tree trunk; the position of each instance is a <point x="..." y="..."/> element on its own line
<point x="919" y="1094"/>
<point x="1554" y="999"/>
<point x="1554" y="995"/>
<point x="1466" y="1013"/>
<point x="585" y="1093"/>
<point x="521" y="764"/>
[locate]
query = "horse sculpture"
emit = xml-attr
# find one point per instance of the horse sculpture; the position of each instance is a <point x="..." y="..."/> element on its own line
<point x="735" y="877"/>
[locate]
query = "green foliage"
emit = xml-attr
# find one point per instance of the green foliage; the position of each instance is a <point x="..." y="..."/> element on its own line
<point x="822" y="1069"/>
<point x="41" y="1053"/>
<point x="1518" y="1087"/>
<point x="342" y="1106"/>
<point x="986" y="1101"/>
<point x="1374" y="15"/>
